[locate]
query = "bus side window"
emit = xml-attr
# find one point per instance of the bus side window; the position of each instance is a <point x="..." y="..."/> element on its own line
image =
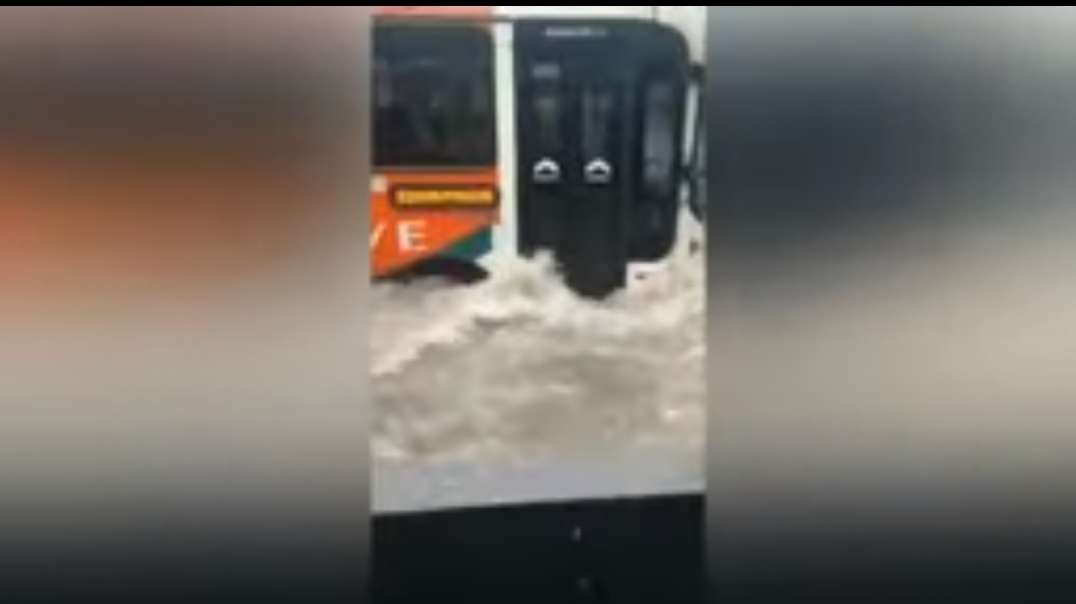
<point x="654" y="222"/>
<point x="433" y="96"/>
<point x="547" y="107"/>
<point x="548" y="111"/>
<point x="659" y="139"/>
<point x="598" y="122"/>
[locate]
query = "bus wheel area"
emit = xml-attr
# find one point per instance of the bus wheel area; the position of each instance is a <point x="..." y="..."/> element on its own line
<point x="454" y="271"/>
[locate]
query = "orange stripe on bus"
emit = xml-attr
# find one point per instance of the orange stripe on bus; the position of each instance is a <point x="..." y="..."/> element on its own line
<point x="402" y="236"/>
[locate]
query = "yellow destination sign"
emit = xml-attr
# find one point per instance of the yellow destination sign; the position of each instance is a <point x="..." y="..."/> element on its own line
<point x="427" y="196"/>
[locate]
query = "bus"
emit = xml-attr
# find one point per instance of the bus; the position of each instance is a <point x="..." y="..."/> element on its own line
<point x="506" y="131"/>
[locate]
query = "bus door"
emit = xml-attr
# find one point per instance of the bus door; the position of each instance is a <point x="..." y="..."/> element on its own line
<point x="600" y="112"/>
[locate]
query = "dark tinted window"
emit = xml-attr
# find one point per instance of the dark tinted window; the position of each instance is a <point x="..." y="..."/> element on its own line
<point x="660" y="104"/>
<point x="548" y="107"/>
<point x="598" y="121"/>
<point x="433" y="97"/>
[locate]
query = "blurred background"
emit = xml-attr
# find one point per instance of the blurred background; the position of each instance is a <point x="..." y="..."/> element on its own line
<point x="181" y="277"/>
<point x="891" y="303"/>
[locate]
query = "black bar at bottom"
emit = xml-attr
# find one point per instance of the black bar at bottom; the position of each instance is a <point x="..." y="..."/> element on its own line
<point x="619" y="551"/>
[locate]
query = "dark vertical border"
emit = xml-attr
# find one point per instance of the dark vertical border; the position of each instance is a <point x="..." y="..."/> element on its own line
<point x="890" y="214"/>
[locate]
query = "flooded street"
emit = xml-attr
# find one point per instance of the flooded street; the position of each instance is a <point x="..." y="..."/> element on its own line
<point x="516" y="390"/>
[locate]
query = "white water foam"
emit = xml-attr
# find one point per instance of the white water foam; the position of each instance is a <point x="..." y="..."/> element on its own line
<point x="479" y="387"/>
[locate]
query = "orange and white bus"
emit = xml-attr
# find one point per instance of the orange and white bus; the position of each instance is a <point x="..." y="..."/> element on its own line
<point x="508" y="130"/>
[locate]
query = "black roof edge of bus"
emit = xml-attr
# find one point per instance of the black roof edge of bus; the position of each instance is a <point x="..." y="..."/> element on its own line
<point x="625" y="549"/>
